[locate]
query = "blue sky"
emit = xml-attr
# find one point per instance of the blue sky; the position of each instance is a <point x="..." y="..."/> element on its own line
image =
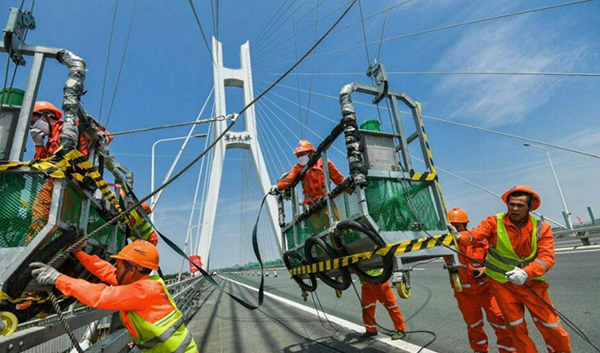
<point x="167" y="75"/>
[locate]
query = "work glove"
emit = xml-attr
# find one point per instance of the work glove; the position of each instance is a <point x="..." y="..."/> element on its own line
<point x="274" y="190"/>
<point x="43" y="273"/>
<point x="37" y="136"/>
<point x="517" y="276"/>
<point x="454" y="231"/>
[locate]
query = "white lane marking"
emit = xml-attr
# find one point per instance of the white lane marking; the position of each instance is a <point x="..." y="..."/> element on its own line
<point x="579" y="247"/>
<point x="575" y="252"/>
<point x="408" y="347"/>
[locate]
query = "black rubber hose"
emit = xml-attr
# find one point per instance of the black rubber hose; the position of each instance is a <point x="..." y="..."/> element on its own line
<point x="313" y="280"/>
<point x="345" y="278"/>
<point x="387" y="260"/>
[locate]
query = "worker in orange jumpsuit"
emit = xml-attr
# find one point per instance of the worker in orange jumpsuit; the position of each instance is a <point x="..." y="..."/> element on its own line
<point x="140" y="227"/>
<point x="45" y="129"/>
<point x="370" y="294"/>
<point x="145" y="306"/>
<point x="313" y="183"/>
<point x="521" y="251"/>
<point x="476" y="295"/>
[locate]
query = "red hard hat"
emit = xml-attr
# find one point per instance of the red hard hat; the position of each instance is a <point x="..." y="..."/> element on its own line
<point x="141" y="253"/>
<point x="41" y="106"/>
<point x="304" y="146"/>
<point x="458" y="215"/>
<point x="537" y="201"/>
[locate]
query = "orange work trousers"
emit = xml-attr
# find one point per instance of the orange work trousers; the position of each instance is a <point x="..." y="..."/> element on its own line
<point x="370" y="294"/>
<point x="472" y="306"/>
<point x="512" y="300"/>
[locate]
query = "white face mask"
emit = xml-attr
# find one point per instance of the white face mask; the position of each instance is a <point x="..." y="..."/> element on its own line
<point x="302" y="160"/>
<point x="42" y="125"/>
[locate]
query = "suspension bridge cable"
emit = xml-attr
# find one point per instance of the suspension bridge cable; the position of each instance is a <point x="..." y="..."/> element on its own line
<point x="284" y="125"/>
<point x="274" y="151"/>
<point x="294" y="10"/>
<point x="474" y="127"/>
<point x="114" y="96"/>
<point x="314" y="61"/>
<point x="439" y="73"/>
<point x="340" y="28"/>
<point x="298" y="80"/>
<point x="382" y="32"/>
<point x="309" y="129"/>
<point x="455" y="25"/>
<point x="483" y="189"/>
<point x="193" y="8"/>
<point x="269" y="154"/>
<point x="262" y="54"/>
<point x="280" y="134"/>
<point x="170" y="126"/>
<point x="306" y="108"/>
<point x="212" y="14"/>
<point x="110" y="41"/>
<point x="217" y="15"/>
<point x="269" y="22"/>
<point x="364" y="32"/>
<point x="280" y="33"/>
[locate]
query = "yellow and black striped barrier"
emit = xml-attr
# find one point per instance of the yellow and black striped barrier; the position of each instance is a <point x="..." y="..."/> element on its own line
<point x="398" y="249"/>
<point x="422" y="176"/>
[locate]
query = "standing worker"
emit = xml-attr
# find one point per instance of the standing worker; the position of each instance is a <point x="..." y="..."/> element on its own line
<point x="370" y="294"/>
<point x="313" y="182"/>
<point x="142" y="227"/>
<point x="476" y="295"/>
<point x="521" y="251"/>
<point x="145" y="306"/>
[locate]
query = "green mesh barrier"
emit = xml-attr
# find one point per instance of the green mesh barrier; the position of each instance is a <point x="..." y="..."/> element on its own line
<point x="71" y="207"/>
<point x="25" y="201"/>
<point x="94" y="222"/>
<point x="389" y="205"/>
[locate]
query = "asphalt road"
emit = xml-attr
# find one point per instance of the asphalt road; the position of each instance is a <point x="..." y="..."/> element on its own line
<point x="574" y="288"/>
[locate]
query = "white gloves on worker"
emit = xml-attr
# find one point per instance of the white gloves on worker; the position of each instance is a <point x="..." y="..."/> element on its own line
<point x="517" y="276"/>
<point x="43" y="273"/>
<point x="454" y="231"/>
<point x="37" y="136"/>
<point x="274" y="190"/>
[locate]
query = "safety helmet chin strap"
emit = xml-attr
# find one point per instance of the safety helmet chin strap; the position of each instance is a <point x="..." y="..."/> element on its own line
<point x="128" y="267"/>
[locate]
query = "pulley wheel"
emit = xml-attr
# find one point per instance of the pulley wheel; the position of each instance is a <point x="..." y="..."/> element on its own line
<point x="344" y="280"/>
<point x="339" y="294"/>
<point x="456" y="281"/>
<point x="9" y="323"/>
<point x="402" y="289"/>
<point x="387" y="260"/>
<point x="311" y="277"/>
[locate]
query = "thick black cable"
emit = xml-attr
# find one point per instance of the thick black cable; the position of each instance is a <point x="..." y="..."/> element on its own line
<point x="201" y="30"/>
<point x="112" y="102"/>
<point x="110" y="41"/>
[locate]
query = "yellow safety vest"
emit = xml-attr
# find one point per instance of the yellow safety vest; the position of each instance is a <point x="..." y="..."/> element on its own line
<point x="141" y="226"/>
<point x="168" y="334"/>
<point x="502" y="256"/>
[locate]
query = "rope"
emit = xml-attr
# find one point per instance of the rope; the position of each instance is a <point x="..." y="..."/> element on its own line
<point x="112" y="102"/>
<point x="110" y="41"/>
<point x="170" y="126"/>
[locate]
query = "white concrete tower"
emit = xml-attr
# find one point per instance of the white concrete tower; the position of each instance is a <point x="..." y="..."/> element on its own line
<point x="248" y="139"/>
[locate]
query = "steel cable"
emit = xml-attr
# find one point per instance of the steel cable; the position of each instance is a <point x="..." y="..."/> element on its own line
<point x="193" y="8"/>
<point x="110" y="41"/>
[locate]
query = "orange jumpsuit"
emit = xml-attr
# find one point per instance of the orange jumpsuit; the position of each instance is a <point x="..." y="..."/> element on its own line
<point x="512" y="299"/>
<point x="477" y="296"/>
<point x="146" y="297"/>
<point x="313" y="183"/>
<point x="370" y="294"/>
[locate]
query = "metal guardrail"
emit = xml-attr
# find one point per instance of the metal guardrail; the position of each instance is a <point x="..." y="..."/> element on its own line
<point x="48" y="335"/>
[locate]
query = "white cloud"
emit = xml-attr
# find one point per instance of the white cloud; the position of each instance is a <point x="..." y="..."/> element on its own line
<point x="514" y="45"/>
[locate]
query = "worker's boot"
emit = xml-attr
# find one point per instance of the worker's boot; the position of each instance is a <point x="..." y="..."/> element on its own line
<point x="398" y="335"/>
<point x="368" y="335"/>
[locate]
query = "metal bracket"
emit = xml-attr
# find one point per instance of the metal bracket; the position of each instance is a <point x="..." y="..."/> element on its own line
<point x="19" y="21"/>
<point x="377" y="71"/>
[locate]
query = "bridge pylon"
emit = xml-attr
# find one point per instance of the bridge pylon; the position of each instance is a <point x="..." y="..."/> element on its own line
<point x="247" y="139"/>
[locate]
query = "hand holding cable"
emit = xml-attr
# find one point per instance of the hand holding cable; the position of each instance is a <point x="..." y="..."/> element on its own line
<point x="517" y="276"/>
<point x="44" y="274"/>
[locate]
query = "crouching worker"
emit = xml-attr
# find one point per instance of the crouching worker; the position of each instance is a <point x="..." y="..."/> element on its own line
<point x="370" y="294"/>
<point x="145" y="306"/>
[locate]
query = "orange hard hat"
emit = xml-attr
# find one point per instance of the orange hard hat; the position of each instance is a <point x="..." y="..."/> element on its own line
<point x="147" y="208"/>
<point x="536" y="202"/>
<point x="304" y="146"/>
<point x="141" y="253"/>
<point x="458" y="215"/>
<point x="41" y="106"/>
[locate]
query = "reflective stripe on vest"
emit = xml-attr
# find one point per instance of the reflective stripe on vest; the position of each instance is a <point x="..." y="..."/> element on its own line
<point x="502" y="256"/>
<point x="141" y="226"/>
<point x="168" y="334"/>
<point x="374" y="273"/>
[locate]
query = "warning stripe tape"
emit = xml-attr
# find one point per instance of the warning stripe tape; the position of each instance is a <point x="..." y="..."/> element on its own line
<point x="422" y="176"/>
<point x="397" y="248"/>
